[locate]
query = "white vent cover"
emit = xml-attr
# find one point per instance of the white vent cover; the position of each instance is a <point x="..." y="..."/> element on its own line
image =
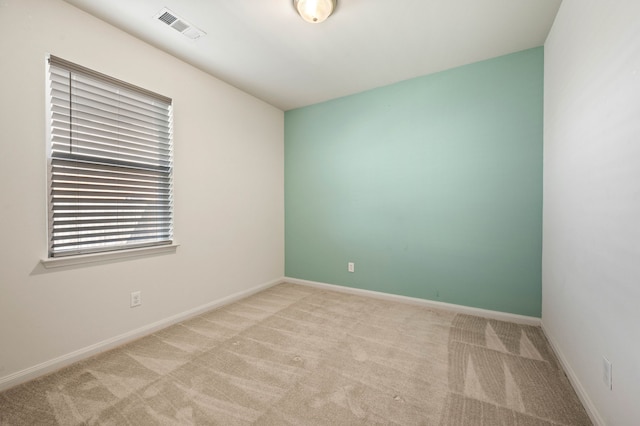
<point x="174" y="21"/>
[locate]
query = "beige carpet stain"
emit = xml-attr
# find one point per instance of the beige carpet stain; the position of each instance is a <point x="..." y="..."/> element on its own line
<point x="295" y="355"/>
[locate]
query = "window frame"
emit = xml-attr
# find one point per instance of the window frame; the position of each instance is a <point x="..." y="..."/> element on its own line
<point x="92" y="242"/>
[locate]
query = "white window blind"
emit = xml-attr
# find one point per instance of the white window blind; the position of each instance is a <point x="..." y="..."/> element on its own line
<point x="110" y="180"/>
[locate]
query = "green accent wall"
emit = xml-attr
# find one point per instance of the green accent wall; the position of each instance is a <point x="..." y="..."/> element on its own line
<point x="432" y="186"/>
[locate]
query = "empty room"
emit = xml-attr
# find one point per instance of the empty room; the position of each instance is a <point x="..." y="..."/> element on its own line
<point x="315" y="212"/>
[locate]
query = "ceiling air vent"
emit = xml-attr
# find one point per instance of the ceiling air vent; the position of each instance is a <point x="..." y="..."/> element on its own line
<point x="174" y="21"/>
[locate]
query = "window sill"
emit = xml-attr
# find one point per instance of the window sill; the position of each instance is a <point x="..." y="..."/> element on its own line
<point x="57" y="262"/>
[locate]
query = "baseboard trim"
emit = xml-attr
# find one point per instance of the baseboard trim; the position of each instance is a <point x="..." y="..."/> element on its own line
<point x="503" y="316"/>
<point x="86" y="352"/>
<point x="588" y="404"/>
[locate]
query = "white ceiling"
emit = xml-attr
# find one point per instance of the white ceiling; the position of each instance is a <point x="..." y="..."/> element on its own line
<point x="264" y="48"/>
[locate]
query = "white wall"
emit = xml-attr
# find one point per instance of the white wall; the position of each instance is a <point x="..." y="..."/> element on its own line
<point x="591" y="248"/>
<point x="229" y="197"/>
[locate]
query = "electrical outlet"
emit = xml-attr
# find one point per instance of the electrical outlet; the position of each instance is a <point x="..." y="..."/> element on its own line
<point x="606" y="373"/>
<point x="136" y="299"/>
<point x="351" y="267"/>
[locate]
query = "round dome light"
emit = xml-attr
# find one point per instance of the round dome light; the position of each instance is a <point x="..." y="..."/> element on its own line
<point x="314" y="11"/>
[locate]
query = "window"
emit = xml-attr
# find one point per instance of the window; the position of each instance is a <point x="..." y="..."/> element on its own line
<point x="110" y="163"/>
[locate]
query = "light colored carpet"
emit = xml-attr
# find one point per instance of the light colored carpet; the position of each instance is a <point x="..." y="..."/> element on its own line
<point x="294" y="355"/>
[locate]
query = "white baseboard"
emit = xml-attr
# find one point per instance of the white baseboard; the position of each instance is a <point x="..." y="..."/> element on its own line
<point x="503" y="316"/>
<point x="588" y="404"/>
<point x="83" y="353"/>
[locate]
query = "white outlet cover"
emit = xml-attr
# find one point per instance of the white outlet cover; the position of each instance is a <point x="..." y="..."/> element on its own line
<point x="136" y="299"/>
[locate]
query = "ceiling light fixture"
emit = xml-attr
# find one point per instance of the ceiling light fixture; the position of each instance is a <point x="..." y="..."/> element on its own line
<point x="314" y="11"/>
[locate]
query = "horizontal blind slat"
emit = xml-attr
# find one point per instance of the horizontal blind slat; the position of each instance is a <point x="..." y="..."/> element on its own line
<point x="107" y="233"/>
<point x="74" y="141"/>
<point x="93" y="90"/>
<point x="109" y="131"/>
<point x="88" y="121"/>
<point x="87" y="184"/>
<point x="79" y="166"/>
<point x="62" y="118"/>
<point x="58" y="153"/>
<point x="107" y="156"/>
<point x="123" y="210"/>
<point x="85" y="216"/>
<point x="104" y="241"/>
<point x="66" y="225"/>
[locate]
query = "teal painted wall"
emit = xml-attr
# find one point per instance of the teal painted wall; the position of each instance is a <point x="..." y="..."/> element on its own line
<point x="432" y="186"/>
